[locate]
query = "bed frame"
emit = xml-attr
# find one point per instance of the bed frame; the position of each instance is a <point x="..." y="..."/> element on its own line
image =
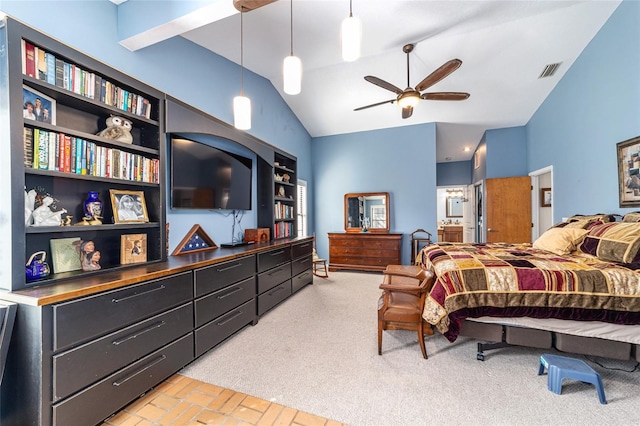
<point x="496" y="335"/>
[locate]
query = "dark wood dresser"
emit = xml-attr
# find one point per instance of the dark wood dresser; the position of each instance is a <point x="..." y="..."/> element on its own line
<point x="364" y="251"/>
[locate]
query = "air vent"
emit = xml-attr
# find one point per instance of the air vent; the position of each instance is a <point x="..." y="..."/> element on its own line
<point x="549" y="70"/>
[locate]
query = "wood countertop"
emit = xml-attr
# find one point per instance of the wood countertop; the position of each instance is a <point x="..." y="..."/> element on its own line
<point x="86" y="285"/>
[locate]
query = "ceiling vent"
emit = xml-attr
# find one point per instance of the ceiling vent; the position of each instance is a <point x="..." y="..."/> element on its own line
<point x="549" y="70"/>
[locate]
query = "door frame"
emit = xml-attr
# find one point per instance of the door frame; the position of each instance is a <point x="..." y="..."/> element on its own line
<point x="535" y="199"/>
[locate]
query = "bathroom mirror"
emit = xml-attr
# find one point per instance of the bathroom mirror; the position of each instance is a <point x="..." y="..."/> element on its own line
<point x="371" y="208"/>
<point x="454" y="207"/>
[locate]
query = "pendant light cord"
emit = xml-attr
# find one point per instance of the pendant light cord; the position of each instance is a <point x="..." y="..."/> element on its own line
<point x="350" y="8"/>
<point x="291" y="27"/>
<point x="241" y="53"/>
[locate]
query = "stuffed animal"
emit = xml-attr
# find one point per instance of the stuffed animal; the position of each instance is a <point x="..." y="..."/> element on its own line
<point x="118" y="128"/>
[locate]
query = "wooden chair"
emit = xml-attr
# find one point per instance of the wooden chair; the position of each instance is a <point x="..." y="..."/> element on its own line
<point x="319" y="263"/>
<point x="401" y="304"/>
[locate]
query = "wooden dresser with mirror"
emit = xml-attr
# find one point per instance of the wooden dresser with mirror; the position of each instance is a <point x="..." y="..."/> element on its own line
<point x="366" y="244"/>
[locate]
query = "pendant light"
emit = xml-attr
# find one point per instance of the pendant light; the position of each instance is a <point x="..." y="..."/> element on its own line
<point x="351" y="36"/>
<point x="242" y="104"/>
<point x="292" y="68"/>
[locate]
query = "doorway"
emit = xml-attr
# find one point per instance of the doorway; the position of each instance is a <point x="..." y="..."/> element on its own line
<point x="541" y="212"/>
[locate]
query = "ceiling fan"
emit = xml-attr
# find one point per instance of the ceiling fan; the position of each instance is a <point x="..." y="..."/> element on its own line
<point x="409" y="97"/>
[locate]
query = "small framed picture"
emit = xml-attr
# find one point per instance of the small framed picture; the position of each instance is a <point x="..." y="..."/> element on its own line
<point x="545" y="197"/>
<point x="128" y="206"/>
<point x="38" y="106"/>
<point x="629" y="172"/>
<point x="133" y="248"/>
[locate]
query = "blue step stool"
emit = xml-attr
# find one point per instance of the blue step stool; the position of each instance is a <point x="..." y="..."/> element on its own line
<point x="562" y="367"/>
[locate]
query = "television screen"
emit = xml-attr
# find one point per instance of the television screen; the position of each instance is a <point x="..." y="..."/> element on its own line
<point x="205" y="177"/>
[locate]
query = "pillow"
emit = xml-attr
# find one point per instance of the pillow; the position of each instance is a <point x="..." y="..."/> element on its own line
<point x="560" y="240"/>
<point x="604" y="218"/>
<point x="631" y="217"/>
<point x="613" y="242"/>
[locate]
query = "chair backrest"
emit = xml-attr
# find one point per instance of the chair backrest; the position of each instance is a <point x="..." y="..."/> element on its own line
<point x="7" y="317"/>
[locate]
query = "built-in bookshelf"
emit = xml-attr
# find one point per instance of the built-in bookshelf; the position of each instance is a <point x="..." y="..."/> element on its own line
<point x="284" y="214"/>
<point x="58" y="153"/>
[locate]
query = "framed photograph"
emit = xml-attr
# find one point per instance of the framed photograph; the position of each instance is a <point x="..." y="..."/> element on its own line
<point x="133" y="248"/>
<point x="65" y="254"/>
<point x="629" y="172"/>
<point x="128" y="206"/>
<point x="545" y="197"/>
<point x="38" y="106"/>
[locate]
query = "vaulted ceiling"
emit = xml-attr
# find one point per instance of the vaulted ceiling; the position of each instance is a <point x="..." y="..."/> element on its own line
<point x="504" y="46"/>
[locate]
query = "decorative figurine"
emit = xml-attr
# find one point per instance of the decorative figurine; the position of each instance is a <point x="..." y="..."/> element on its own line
<point x="92" y="205"/>
<point x="89" y="256"/>
<point x="118" y="129"/>
<point x="44" y="216"/>
<point x="37" y="267"/>
<point x="29" y="203"/>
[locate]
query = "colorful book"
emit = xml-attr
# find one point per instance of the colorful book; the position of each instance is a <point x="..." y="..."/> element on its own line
<point x="43" y="150"/>
<point x="30" y="59"/>
<point x="67" y="154"/>
<point x="41" y="64"/>
<point x="28" y="147"/>
<point x="51" y="68"/>
<point x="59" y="75"/>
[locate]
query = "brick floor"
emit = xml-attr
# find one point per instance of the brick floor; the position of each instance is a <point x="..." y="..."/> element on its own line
<point x="183" y="401"/>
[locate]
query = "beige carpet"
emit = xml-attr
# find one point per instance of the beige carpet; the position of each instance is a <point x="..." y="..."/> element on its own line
<point x="317" y="352"/>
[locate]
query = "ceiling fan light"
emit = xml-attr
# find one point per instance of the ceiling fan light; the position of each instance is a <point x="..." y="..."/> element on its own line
<point x="408" y="99"/>
<point x="242" y="112"/>
<point x="351" y="37"/>
<point x="292" y="73"/>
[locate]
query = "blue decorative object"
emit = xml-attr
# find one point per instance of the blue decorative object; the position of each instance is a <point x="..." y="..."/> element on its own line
<point x="37" y="267"/>
<point x="561" y="367"/>
<point x="93" y="205"/>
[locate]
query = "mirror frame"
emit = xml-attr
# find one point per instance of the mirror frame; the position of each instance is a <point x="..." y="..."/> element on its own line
<point x="449" y="207"/>
<point x="366" y="194"/>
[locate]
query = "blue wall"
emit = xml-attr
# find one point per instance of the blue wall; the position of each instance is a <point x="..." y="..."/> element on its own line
<point x="594" y="106"/>
<point x="506" y="153"/>
<point x="183" y="70"/>
<point x="401" y="161"/>
<point x="454" y="173"/>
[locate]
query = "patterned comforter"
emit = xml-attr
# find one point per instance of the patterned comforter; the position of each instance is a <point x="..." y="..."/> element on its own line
<point x="507" y="280"/>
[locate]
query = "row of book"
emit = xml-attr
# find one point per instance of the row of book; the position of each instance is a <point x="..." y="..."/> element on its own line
<point x="283" y="229"/>
<point x="46" y="150"/>
<point x="282" y="211"/>
<point x="45" y="66"/>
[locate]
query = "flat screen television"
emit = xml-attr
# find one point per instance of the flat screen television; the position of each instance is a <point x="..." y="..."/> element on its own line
<point x="206" y="177"/>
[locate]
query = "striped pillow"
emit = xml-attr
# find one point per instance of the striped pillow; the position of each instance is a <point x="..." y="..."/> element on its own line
<point x="613" y="242"/>
<point x="631" y="217"/>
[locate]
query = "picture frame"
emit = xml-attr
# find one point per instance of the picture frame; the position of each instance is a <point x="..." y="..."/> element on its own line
<point x="195" y="241"/>
<point x="545" y="197"/>
<point x="133" y="248"/>
<point x="628" y="154"/>
<point x="65" y="254"/>
<point x="47" y="111"/>
<point x="128" y="206"/>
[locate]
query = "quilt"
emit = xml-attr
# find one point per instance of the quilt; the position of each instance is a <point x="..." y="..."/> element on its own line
<point x="517" y="280"/>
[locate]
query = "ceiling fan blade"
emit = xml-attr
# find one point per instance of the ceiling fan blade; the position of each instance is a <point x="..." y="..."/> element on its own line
<point x="439" y="74"/>
<point x="383" y="84"/>
<point x="445" y="96"/>
<point x="407" y="111"/>
<point x="372" y="105"/>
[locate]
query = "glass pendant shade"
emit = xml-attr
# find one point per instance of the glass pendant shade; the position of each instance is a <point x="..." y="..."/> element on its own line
<point x="351" y="37"/>
<point x="409" y="99"/>
<point x="242" y="112"/>
<point x="292" y="73"/>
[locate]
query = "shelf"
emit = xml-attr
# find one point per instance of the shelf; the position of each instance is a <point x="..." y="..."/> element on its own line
<point x="53" y="173"/>
<point x="283" y="168"/>
<point x="88" y="228"/>
<point x="290" y="200"/>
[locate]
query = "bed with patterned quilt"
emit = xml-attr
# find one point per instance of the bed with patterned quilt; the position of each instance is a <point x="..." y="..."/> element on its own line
<point x="584" y="272"/>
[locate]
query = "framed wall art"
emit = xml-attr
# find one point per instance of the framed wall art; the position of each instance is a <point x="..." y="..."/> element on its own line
<point x="38" y="106"/>
<point x="128" y="206"/>
<point x="545" y="197"/>
<point x="133" y="248"/>
<point x="629" y="172"/>
<point x="196" y="240"/>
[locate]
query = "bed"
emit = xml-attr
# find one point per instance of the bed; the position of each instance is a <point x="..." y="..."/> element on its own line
<point x="577" y="288"/>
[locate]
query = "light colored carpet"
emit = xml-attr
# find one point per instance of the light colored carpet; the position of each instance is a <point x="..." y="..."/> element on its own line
<point x="317" y="352"/>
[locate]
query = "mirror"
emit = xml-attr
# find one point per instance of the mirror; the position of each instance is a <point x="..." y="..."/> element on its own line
<point x="454" y="207"/>
<point x="369" y="207"/>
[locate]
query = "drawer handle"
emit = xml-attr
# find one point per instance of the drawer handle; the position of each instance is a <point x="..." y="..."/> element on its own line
<point x="229" y="293"/>
<point x="228" y="267"/>
<point x="304" y="245"/>
<point x="231" y="318"/>
<point x="276" y="253"/>
<point x="135" y="373"/>
<point x="275" y="271"/>
<point x="139" y="333"/>
<point x="305" y="260"/>
<point x="138" y="294"/>
<point x="275" y="290"/>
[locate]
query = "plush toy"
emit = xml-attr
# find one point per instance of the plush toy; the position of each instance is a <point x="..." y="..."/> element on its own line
<point x="118" y="128"/>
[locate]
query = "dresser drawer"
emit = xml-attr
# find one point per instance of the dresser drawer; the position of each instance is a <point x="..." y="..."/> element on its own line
<point x="273" y="277"/>
<point x="99" y="401"/>
<point x="222" y="327"/>
<point x="379" y="262"/>
<point x="272" y="258"/>
<point x="222" y="274"/>
<point x="79" y="367"/>
<point x="223" y="300"/>
<point x="301" y="280"/>
<point x="366" y="243"/>
<point x="274" y="296"/>
<point x="89" y="317"/>
<point x="301" y="264"/>
<point x="301" y="249"/>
